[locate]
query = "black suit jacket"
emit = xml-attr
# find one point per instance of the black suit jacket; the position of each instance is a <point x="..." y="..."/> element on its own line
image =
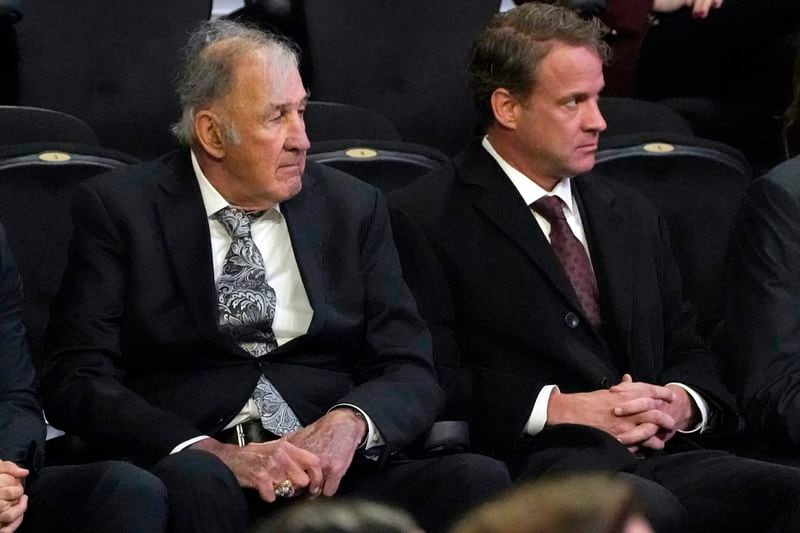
<point x="763" y="314"/>
<point x="494" y="295"/>
<point x="22" y="430"/>
<point x="135" y="357"/>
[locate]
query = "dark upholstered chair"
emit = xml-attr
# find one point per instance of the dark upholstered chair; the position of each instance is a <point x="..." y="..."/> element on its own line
<point x="21" y="125"/>
<point x="326" y="121"/>
<point x="729" y="75"/>
<point x="698" y="186"/>
<point x="36" y="185"/>
<point x="111" y="64"/>
<point x="631" y="115"/>
<point x="406" y="60"/>
<point x="388" y="165"/>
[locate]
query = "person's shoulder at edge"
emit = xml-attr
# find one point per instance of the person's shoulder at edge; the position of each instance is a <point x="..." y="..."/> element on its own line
<point x="785" y="175"/>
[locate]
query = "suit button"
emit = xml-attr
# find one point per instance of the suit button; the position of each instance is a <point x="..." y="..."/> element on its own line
<point x="604" y="383"/>
<point x="572" y="320"/>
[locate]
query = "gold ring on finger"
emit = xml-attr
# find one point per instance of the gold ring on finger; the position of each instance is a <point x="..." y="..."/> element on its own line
<point x="284" y="489"/>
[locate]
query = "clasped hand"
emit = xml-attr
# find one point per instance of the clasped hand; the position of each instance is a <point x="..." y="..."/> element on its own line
<point x="639" y="415"/>
<point x="13" y="500"/>
<point x="313" y="458"/>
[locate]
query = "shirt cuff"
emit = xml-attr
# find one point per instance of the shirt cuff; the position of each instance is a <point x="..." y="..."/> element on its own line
<point x="702" y="406"/>
<point x="374" y="437"/>
<point x="185" y="444"/>
<point x="538" y="418"/>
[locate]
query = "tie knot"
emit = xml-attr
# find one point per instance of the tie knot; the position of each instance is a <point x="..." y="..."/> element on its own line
<point x="550" y="207"/>
<point x="236" y="221"/>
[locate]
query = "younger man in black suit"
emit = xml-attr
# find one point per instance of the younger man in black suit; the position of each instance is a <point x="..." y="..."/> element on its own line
<point x="108" y="497"/>
<point x="558" y="289"/>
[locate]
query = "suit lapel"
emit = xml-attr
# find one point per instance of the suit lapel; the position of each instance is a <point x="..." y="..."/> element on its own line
<point x="610" y="244"/>
<point x="183" y="222"/>
<point x="501" y="203"/>
<point x="303" y="215"/>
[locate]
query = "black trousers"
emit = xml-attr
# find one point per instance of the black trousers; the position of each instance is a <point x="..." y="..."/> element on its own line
<point x="104" y="497"/>
<point x="436" y="491"/>
<point x="204" y="496"/>
<point x="693" y="490"/>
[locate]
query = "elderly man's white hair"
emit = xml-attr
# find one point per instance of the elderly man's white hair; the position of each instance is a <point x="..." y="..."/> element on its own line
<point x="206" y="72"/>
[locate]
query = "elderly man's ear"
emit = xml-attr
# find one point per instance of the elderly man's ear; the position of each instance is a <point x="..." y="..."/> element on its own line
<point x="208" y="129"/>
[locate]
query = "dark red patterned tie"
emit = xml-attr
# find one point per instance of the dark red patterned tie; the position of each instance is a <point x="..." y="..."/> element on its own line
<point x="572" y="256"/>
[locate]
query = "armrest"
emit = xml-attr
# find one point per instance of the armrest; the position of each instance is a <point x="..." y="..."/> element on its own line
<point x="447" y="436"/>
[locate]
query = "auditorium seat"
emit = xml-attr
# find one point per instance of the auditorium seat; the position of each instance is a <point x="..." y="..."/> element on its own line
<point x="632" y="115"/>
<point x="21" y="125"/>
<point x="111" y="64"/>
<point x="729" y="74"/>
<point x="388" y="165"/>
<point x="326" y="121"/>
<point x="406" y="60"/>
<point x="36" y="186"/>
<point x="698" y="185"/>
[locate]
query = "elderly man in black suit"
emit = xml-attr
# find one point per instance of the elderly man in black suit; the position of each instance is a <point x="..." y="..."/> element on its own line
<point x="106" y="497"/>
<point x="238" y="319"/>
<point x="557" y="289"/>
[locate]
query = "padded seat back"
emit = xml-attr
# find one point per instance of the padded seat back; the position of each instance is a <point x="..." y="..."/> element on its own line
<point x="698" y="185"/>
<point x="388" y="165"/>
<point x="631" y="115"/>
<point x="326" y="121"/>
<point x="405" y="60"/>
<point x="22" y="125"/>
<point x="36" y="186"/>
<point x="111" y="64"/>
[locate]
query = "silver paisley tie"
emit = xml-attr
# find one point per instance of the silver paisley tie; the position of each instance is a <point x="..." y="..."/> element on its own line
<point x="246" y="310"/>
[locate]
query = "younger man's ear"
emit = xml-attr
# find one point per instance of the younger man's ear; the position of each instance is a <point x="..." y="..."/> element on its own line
<point x="505" y="108"/>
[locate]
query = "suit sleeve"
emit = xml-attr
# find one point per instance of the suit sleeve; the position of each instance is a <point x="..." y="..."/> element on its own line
<point x="687" y="359"/>
<point x="22" y="430"/>
<point x="83" y="381"/>
<point x="763" y="310"/>
<point x="397" y="382"/>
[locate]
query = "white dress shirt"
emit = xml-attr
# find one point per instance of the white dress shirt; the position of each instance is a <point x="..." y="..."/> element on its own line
<point x="293" y="312"/>
<point x="531" y="192"/>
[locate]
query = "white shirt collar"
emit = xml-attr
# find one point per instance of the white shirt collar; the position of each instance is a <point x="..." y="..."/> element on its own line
<point x="212" y="199"/>
<point x="528" y="188"/>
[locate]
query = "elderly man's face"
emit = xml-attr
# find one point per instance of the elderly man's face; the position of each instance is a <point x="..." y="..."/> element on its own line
<point x="559" y="123"/>
<point x="266" y="107"/>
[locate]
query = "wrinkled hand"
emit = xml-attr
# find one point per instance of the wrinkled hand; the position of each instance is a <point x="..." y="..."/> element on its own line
<point x="700" y="8"/>
<point x="633" y="413"/>
<point x="333" y="438"/>
<point x="263" y="466"/>
<point x="13" y="500"/>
